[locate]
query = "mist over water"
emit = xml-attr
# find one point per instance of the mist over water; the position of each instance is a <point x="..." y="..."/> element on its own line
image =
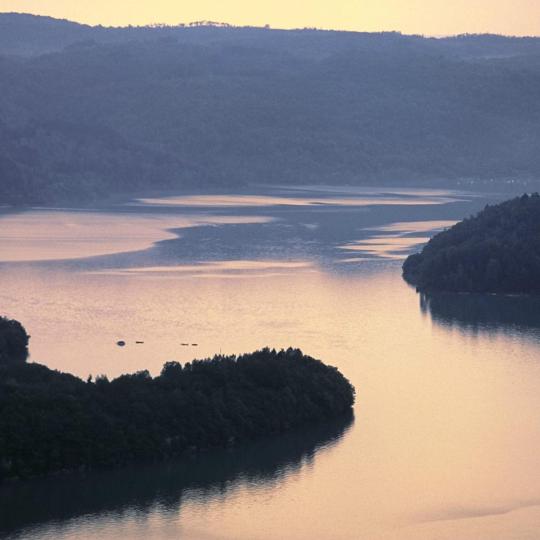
<point x="447" y="421"/>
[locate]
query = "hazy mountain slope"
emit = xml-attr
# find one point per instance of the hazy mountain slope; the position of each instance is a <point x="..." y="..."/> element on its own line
<point x="222" y="106"/>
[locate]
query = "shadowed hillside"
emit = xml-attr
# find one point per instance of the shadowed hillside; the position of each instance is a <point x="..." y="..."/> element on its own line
<point x="496" y="251"/>
<point x="112" y="110"/>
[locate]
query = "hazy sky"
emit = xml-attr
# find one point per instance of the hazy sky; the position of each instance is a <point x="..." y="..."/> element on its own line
<point x="434" y="17"/>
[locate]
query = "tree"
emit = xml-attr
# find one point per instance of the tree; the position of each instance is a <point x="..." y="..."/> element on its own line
<point x="13" y="342"/>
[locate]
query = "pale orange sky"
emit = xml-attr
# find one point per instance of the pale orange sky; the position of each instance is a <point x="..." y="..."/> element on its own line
<point x="433" y="17"/>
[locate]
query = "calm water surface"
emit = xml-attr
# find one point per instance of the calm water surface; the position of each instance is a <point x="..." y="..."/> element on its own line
<point x="445" y="437"/>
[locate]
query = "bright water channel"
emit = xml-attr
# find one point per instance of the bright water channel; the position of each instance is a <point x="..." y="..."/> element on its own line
<point x="444" y="442"/>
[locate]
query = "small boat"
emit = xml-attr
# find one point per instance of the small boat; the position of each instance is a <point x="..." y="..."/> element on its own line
<point x="121" y="343"/>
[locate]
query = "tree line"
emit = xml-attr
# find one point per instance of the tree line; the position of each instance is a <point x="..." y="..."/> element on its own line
<point x="496" y="251"/>
<point x="51" y="421"/>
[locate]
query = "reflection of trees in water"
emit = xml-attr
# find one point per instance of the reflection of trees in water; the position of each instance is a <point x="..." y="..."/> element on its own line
<point x="487" y="312"/>
<point x="141" y="488"/>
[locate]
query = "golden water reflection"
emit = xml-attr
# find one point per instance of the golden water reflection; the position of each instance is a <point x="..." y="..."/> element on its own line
<point x="447" y="423"/>
<point x="41" y="235"/>
<point x="447" y="426"/>
<point x="221" y="269"/>
<point x="359" y="197"/>
<point x="397" y="239"/>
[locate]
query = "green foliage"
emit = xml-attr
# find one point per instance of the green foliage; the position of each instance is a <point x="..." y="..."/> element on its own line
<point x="51" y="421"/>
<point x="497" y="250"/>
<point x="120" y="110"/>
<point x="13" y="342"/>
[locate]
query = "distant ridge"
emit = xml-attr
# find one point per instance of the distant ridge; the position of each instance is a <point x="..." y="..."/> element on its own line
<point x="27" y="34"/>
<point x="86" y="112"/>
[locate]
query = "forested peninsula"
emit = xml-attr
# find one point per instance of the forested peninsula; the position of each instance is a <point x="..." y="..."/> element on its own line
<point x="52" y="421"/>
<point x="495" y="251"/>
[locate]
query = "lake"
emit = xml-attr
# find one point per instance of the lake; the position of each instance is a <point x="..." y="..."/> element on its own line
<point x="446" y="428"/>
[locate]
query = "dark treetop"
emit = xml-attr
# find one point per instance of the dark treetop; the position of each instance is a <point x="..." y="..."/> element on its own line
<point x="51" y="421"/>
<point x="13" y="342"/>
<point x="91" y="111"/>
<point x="496" y="251"/>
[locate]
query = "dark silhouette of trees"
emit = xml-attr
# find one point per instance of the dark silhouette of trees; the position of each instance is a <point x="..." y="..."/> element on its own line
<point x="496" y="251"/>
<point x="13" y="342"/>
<point x="50" y="421"/>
